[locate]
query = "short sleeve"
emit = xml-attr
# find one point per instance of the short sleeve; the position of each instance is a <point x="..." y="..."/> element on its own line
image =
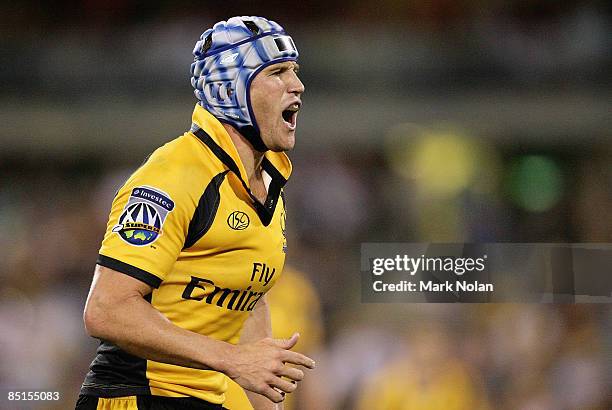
<point x="149" y="221"/>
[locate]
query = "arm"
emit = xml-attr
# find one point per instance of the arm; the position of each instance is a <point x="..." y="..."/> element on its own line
<point x="257" y="327"/>
<point x="116" y="311"/>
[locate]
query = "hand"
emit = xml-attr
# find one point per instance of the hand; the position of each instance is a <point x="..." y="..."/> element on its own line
<point x="260" y="366"/>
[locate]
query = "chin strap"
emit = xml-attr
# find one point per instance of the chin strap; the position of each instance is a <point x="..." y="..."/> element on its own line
<point x="249" y="132"/>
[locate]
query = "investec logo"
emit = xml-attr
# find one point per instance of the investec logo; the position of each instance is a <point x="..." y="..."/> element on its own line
<point x="233" y="299"/>
<point x="143" y="216"/>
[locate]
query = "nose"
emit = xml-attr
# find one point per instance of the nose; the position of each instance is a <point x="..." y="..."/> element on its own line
<point x="296" y="86"/>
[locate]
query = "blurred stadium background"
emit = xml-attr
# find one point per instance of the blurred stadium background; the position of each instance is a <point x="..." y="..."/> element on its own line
<point x="443" y="121"/>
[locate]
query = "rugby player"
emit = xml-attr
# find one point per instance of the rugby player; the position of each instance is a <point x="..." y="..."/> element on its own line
<point x="196" y="237"/>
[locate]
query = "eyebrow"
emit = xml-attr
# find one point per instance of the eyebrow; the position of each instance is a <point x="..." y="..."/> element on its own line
<point x="284" y="66"/>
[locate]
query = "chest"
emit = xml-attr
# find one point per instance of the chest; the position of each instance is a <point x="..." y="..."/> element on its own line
<point x="238" y="251"/>
<point x="258" y="189"/>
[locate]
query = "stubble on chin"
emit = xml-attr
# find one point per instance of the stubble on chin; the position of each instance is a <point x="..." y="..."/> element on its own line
<point x="288" y="143"/>
<point x="281" y="141"/>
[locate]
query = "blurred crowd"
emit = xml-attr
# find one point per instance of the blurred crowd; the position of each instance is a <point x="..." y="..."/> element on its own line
<point x="79" y="49"/>
<point x="486" y="176"/>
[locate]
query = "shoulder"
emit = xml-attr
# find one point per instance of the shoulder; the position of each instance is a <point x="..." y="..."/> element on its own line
<point x="180" y="169"/>
<point x="185" y="154"/>
<point x="184" y="161"/>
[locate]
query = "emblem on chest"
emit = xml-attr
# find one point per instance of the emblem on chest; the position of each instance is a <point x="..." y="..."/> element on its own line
<point x="238" y="220"/>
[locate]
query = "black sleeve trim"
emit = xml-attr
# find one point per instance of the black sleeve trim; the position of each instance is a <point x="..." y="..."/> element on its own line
<point x="133" y="271"/>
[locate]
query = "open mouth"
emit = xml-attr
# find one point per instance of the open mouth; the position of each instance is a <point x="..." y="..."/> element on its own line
<point x="290" y="115"/>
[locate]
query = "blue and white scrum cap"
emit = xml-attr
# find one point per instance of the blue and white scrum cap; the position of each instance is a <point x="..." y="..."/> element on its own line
<point x="227" y="58"/>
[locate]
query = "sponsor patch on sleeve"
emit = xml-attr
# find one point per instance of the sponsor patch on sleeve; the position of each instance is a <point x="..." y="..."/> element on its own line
<point x="143" y="216"/>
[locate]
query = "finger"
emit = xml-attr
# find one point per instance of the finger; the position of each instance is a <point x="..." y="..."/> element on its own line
<point x="273" y="394"/>
<point x="282" y="394"/>
<point x="297" y="358"/>
<point x="284" y="385"/>
<point x="291" y="373"/>
<point x="287" y="343"/>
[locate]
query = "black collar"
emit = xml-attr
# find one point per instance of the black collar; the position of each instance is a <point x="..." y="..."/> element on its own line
<point x="265" y="211"/>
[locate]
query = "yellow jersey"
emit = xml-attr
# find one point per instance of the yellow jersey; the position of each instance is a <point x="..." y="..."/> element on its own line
<point x="294" y="306"/>
<point x="187" y="224"/>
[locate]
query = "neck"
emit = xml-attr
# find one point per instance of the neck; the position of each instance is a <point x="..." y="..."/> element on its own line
<point x="250" y="157"/>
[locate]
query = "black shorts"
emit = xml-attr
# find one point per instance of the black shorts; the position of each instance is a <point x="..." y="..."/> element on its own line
<point x="86" y="402"/>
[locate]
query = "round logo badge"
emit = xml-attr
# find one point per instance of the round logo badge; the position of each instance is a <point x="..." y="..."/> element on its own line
<point x="139" y="224"/>
<point x="283" y="221"/>
<point x="238" y="220"/>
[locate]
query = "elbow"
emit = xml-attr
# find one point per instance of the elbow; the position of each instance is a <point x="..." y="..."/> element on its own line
<point x="94" y="320"/>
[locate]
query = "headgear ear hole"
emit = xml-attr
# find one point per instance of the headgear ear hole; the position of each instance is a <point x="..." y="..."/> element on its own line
<point x="251" y="26"/>
<point x="207" y="44"/>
